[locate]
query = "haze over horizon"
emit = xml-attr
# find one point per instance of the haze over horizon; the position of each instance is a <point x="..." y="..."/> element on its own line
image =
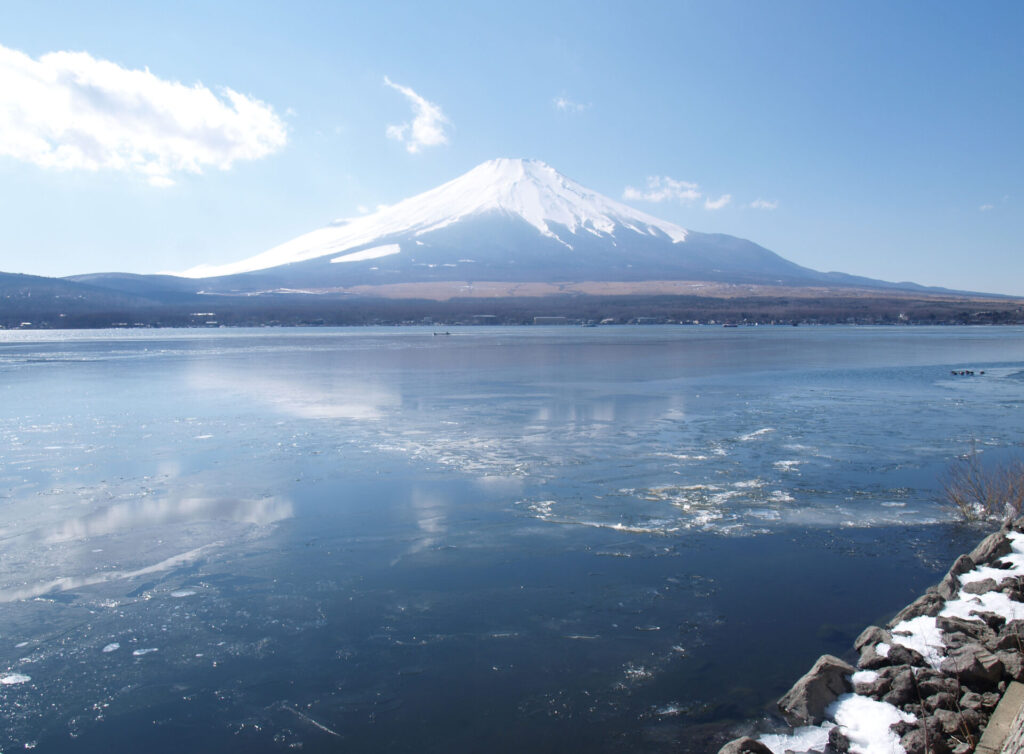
<point x="874" y="139"/>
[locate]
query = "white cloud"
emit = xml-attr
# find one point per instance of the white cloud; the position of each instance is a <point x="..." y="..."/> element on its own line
<point x="988" y="207"/>
<point x="427" y="128"/>
<point x="660" y="189"/>
<point x="718" y="203"/>
<point x="763" y="204"/>
<point x="70" y="111"/>
<point x="568" y="106"/>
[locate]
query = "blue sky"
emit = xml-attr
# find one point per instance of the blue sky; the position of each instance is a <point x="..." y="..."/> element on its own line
<point x="876" y="138"/>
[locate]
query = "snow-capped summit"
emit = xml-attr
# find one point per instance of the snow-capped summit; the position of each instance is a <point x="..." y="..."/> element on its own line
<point x="505" y="221"/>
<point x="533" y="191"/>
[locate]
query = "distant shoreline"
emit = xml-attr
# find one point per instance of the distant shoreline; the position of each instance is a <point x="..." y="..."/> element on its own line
<point x="31" y="309"/>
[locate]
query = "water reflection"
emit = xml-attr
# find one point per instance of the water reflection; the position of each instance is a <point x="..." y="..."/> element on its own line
<point x="129" y="540"/>
<point x="300" y="394"/>
<point x="430" y="513"/>
<point x="146" y="513"/>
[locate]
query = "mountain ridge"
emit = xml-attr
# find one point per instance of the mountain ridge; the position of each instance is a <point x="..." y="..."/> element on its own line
<point x="529" y="189"/>
<point x="509" y="220"/>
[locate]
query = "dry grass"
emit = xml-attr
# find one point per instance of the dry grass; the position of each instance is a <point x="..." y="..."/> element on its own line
<point x="985" y="492"/>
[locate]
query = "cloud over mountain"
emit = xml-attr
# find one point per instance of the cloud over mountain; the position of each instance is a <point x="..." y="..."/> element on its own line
<point x="427" y="128"/>
<point x="662" y="189"/>
<point x="71" y="111"/>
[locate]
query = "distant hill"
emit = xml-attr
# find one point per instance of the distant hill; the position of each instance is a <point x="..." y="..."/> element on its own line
<point x="513" y="238"/>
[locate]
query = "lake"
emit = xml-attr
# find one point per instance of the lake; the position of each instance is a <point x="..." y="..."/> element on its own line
<point x="499" y="539"/>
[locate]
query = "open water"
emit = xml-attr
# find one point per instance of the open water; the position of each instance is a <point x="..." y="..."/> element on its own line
<point x="509" y="539"/>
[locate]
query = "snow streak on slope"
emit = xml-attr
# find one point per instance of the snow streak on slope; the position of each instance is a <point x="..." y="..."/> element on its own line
<point x="528" y="189"/>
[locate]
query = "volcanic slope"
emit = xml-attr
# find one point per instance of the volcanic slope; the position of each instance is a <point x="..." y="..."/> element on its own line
<point x="509" y="220"/>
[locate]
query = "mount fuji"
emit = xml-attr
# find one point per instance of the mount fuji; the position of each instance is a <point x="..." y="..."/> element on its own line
<point x="505" y="221"/>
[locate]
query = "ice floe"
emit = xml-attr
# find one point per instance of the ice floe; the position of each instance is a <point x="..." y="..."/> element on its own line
<point x="808" y="738"/>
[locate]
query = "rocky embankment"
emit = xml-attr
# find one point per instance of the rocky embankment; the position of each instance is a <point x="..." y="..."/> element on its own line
<point x="927" y="682"/>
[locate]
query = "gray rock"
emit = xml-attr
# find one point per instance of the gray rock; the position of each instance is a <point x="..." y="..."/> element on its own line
<point x="932" y="682"/>
<point x="745" y="745"/>
<point x="901" y="728"/>
<point x="989" y="700"/>
<point x="876" y="689"/>
<point x="1005" y="642"/>
<point x="871" y="660"/>
<point x="949" y="720"/>
<point x="962" y="565"/>
<point x="949" y="587"/>
<point x="943" y="700"/>
<point x="838" y="743"/>
<point x="950" y="584"/>
<point x="903" y="690"/>
<point x="971" y="629"/>
<point x="901" y="655"/>
<point x="926" y="738"/>
<point x="980" y="587"/>
<point x="1012" y="590"/>
<point x="973" y="720"/>
<point x="872" y="635"/>
<point x="991" y="548"/>
<point x="970" y="701"/>
<point x="995" y="621"/>
<point x="1013" y="665"/>
<point x="805" y="703"/>
<point x="1011" y="636"/>
<point x="914" y="709"/>
<point x="973" y="666"/>
<point x="930" y="603"/>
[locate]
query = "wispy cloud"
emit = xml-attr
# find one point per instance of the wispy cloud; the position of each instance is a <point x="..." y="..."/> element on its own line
<point x="988" y="207"/>
<point x="427" y="128"/>
<point x="568" y="106"/>
<point x="71" y="111"/>
<point x="763" y="204"/>
<point x="663" y="189"/>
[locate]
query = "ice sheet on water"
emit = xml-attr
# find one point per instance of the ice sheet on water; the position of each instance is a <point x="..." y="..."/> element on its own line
<point x="808" y="738"/>
<point x="77" y="582"/>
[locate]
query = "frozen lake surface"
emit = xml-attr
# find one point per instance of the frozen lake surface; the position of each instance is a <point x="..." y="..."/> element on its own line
<point x="504" y="539"/>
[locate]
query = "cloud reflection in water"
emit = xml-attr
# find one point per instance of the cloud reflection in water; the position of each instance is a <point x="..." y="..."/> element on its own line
<point x="301" y="395"/>
<point x="146" y="513"/>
